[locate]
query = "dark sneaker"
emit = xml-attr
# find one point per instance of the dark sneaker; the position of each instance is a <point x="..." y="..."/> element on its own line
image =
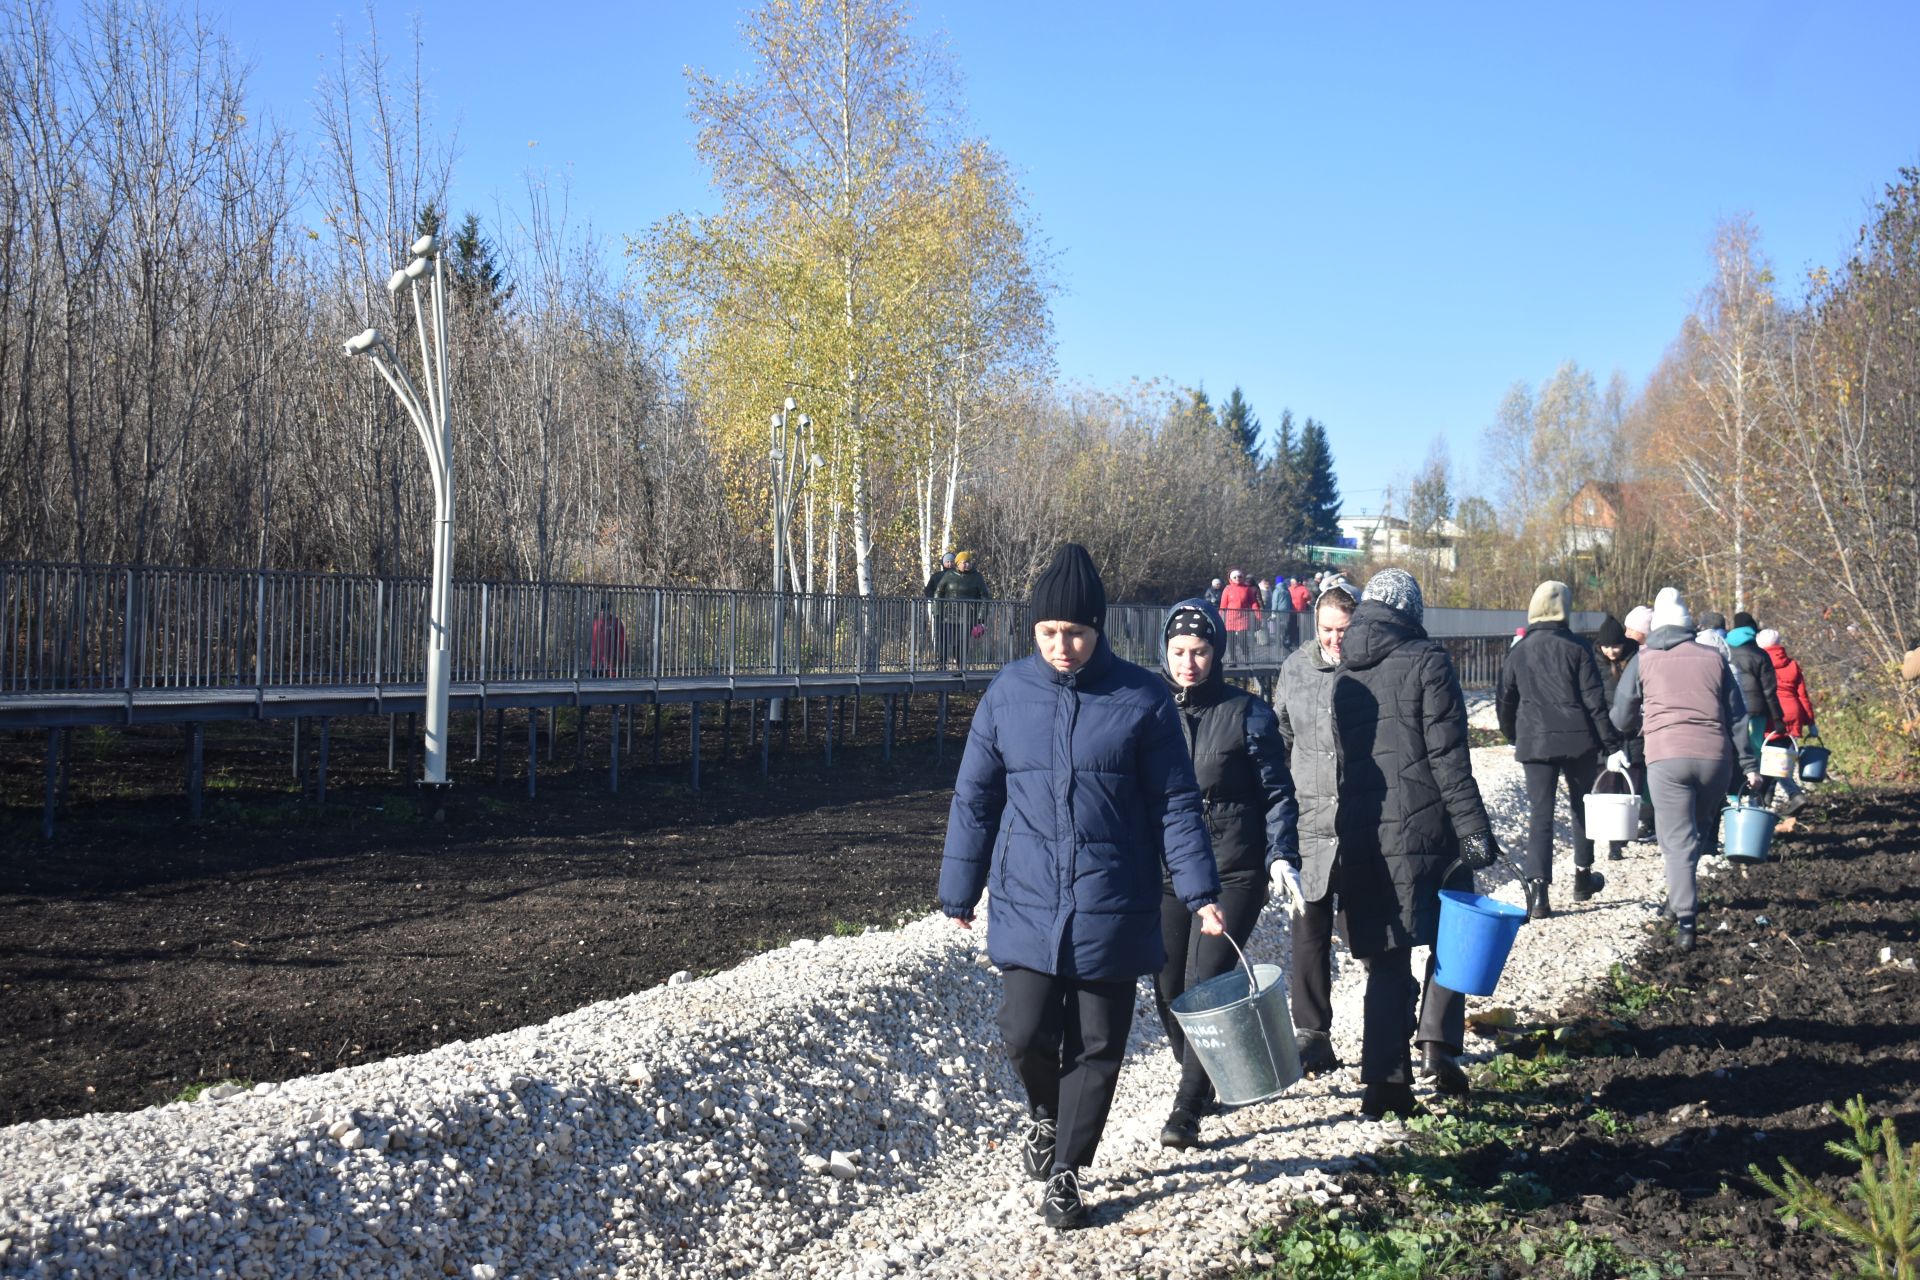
<point x="1616" y="852"/>
<point x="1444" y="1070"/>
<point x="1586" y="884"/>
<point x="1062" y="1208"/>
<point x="1036" y="1147"/>
<point x="1182" y="1131"/>
<point x="1377" y="1101"/>
<point x="1316" y="1053"/>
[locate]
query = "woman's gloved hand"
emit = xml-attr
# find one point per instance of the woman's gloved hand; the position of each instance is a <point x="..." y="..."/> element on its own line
<point x="1286" y="883"/>
<point x="1618" y="761"/>
<point x="1478" y="852"/>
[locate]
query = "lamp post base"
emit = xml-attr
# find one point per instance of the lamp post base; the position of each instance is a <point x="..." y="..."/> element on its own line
<point x="435" y="794"/>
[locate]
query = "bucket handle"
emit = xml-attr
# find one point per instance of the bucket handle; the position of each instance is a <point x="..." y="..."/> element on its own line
<point x="1626" y="781"/>
<point x="1253" y="981"/>
<point x="1253" y="989"/>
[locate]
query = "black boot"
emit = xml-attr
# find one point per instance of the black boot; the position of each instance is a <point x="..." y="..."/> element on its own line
<point x="1683" y="936"/>
<point x="1182" y="1131"/>
<point x="1587" y="883"/>
<point x="1616" y="852"/>
<point x="1378" y="1100"/>
<point x="1537" y="905"/>
<point x="1316" y="1053"/>
<point x="1441" y="1067"/>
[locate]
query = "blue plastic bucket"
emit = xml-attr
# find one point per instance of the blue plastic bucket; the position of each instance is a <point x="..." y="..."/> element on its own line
<point x="1476" y="933"/>
<point x="1745" y="831"/>
<point x="1813" y="764"/>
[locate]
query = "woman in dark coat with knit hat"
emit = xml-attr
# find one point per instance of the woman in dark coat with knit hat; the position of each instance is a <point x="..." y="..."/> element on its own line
<point x="1246" y="794"/>
<point x="1075" y="790"/>
<point x="1553" y="710"/>
<point x="1410" y="822"/>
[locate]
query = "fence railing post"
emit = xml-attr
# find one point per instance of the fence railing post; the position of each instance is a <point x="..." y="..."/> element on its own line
<point x="658" y="594"/>
<point x="127" y="648"/>
<point x="379" y="627"/>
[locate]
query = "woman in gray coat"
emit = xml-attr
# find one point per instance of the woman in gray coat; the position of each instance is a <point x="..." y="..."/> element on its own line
<point x="1304" y="705"/>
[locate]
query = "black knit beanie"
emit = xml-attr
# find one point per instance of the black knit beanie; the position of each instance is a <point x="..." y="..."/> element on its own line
<point x="1611" y="632"/>
<point x="1744" y="619"/>
<point x="1069" y="590"/>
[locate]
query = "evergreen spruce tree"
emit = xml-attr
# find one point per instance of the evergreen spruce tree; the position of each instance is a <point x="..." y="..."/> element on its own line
<point x="477" y="277"/>
<point x="1282" y="479"/>
<point x="1236" y="415"/>
<point x="1320" y="498"/>
<point x="473" y="276"/>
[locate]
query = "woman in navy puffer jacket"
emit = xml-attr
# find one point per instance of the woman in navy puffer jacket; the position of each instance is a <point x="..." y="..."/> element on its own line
<point x="1075" y="790"/>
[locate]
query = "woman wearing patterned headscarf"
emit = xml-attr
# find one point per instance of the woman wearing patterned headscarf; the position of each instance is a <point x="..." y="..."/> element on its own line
<point x="1247" y="796"/>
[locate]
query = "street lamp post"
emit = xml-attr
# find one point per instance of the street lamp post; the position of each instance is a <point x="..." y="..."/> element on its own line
<point x="431" y="418"/>
<point x="783" y="455"/>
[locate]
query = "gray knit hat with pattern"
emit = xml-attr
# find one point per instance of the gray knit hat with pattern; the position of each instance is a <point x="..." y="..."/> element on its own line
<point x="1397" y="587"/>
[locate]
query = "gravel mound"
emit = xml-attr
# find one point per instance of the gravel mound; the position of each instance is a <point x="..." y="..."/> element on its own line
<point x="832" y="1108"/>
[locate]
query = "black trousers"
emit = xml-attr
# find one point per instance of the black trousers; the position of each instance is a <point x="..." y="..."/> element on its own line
<point x="1389" y="1020"/>
<point x="1192" y="958"/>
<point x="1542" y="778"/>
<point x="1065" y="1038"/>
<point x="1313" y="966"/>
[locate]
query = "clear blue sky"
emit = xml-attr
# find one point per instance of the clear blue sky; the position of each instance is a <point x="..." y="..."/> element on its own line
<point x="1378" y="215"/>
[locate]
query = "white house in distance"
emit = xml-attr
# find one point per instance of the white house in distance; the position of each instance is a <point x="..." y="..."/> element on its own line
<point x="1385" y="537"/>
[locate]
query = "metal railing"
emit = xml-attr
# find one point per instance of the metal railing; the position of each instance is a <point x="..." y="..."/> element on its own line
<point x="93" y="627"/>
<point x="97" y="627"/>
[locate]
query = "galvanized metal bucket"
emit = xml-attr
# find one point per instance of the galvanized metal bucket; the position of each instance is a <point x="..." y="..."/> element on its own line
<point x="1241" y="1030"/>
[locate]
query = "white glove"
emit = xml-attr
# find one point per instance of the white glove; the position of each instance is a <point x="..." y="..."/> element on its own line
<point x="1286" y="882"/>
<point x="1618" y="761"/>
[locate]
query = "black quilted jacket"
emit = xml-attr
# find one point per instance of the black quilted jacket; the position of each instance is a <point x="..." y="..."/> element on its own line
<point x="1407" y="792"/>
<point x="1552" y="700"/>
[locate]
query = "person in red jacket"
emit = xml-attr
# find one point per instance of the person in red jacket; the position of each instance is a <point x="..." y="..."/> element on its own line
<point x="1796" y="707"/>
<point x="1301" y="596"/>
<point x="607" y="644"/>
<point x="1240" y="610"/>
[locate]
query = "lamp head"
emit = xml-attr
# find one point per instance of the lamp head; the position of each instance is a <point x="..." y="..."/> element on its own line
<point x="361" y="343"/>
<point x="805" y="422"/>
<point x="426" y="246"/>
<point x="416" y="269"/>
<point x="395" y="280"/>
<point x="789" y="405"/>
<point x="774" y="422"/>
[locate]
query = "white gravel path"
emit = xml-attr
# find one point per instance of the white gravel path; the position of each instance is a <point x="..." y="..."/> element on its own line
<point x="828" y="1109"/>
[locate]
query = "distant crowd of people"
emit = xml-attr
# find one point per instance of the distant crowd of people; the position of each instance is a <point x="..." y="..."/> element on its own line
<point x="1264" y="612"/>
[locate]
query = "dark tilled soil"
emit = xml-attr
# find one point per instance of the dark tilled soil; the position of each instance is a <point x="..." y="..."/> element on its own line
<point x="141" y="953"/>
<point x="1647" y="1139"/>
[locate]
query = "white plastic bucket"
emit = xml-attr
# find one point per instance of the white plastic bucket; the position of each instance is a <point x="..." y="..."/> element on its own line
<point x="1612" y="816"/>
<point x="1777" y="757"/>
